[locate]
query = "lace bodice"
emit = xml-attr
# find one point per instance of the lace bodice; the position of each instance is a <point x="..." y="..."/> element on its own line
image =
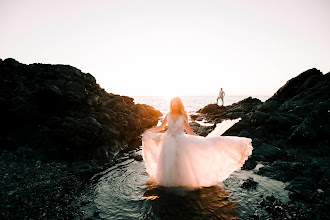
<point x="175" y="127"/>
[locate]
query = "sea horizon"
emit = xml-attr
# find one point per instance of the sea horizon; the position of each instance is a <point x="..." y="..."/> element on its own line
<point x="191" y="103"/>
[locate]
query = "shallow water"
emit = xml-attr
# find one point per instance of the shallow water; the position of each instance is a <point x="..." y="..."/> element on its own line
<point x="124" y="192"/>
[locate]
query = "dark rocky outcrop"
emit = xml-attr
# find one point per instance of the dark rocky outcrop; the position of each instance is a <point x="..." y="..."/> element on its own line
<point x="65" y="112"/>
<point x="241" y="109"/>
<point x="295" y="117"/>
<point x="290" y="133"/>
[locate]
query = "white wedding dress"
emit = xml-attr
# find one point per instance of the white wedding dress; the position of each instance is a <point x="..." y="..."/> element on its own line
<point x="175" y="159"/>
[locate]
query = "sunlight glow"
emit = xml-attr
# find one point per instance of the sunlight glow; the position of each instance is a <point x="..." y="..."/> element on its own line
<point x="174" y="47"/>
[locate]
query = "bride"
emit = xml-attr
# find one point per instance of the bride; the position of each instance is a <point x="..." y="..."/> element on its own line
<point x="176" y="159"/>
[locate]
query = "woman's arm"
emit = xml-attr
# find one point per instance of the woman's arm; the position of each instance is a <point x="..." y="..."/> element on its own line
<point x="188" y="129"/>
<point x="160" y="127"/>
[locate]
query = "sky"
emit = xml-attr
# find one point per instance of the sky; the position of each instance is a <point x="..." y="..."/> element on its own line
<point x="172" y="48"/>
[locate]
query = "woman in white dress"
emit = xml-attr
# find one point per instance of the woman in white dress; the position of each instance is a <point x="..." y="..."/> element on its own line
<point x="176" y="159"/>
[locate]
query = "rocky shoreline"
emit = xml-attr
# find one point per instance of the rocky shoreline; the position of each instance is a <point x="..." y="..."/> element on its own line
<point x="33" y="187"/>
<point x="64" y="111"/>
<point x="59" y="128"/>
<point x="290" y="133"/>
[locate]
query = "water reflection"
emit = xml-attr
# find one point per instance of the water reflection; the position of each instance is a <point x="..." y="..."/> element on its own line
<point x="124" y="192"/>
<point x="183" y="203"/>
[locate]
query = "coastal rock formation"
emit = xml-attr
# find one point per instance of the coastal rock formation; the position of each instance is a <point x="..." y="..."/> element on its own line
<point x="296" y="116"/>
<point x="290" y="133"/>
<point x="64" y="111"/>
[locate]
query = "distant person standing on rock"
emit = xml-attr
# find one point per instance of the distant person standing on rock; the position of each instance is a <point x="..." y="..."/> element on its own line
<point x="221" y="96"/>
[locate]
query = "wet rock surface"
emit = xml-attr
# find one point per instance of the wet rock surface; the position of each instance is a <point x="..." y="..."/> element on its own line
<point x="33" y="188"/>
<point x="249" y="184"/>
<point x="273" y="208"/>
<point x="290" y="133"/>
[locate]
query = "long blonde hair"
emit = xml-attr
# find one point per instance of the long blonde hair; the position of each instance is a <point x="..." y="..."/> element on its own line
<point x="182" y="110"/>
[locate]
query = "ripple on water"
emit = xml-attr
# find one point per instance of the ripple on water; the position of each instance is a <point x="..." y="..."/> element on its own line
<point x="124" y="192"/>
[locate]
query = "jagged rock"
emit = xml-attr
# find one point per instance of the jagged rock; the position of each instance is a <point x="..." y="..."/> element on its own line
<point x="249" y="183"/>
<point x="246" y="105"/>
<point x="249" y="164"/>
<point x="209" y="109"/>
<point x="297" y="84"/>
<point x="295" y="116"/>
<point x="64" y="111"/>
<point x="193" y="117"/>
<point x="241" y="107"/>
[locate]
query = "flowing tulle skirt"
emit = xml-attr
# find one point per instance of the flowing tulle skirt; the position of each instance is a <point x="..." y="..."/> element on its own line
<point x="187" y="160"/>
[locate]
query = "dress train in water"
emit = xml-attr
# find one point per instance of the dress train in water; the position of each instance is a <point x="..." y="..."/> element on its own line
<point x="175" y="159"/>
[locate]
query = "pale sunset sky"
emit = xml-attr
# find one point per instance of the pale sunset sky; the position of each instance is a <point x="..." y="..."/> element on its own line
<point x="172" y="47"/>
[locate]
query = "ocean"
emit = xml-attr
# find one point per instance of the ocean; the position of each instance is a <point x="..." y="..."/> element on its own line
<point x="191" y="103"/>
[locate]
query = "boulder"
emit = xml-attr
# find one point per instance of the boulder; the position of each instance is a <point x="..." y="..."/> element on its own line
<point x="249" y="184"/>
<point x="250" y="164"/>
<point x="209" y="109"/>
<point x="246" y="105"/>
